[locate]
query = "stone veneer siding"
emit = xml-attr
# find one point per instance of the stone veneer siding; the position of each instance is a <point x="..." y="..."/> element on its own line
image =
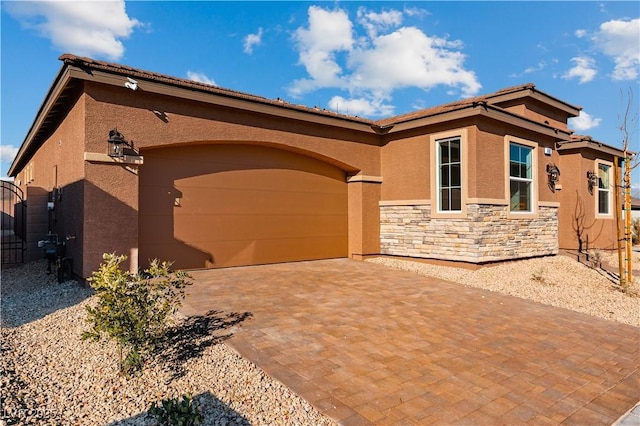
<point x="486" y="234"/>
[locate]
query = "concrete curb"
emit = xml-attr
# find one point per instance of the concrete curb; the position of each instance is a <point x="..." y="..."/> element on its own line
<point x="630" y="418"/>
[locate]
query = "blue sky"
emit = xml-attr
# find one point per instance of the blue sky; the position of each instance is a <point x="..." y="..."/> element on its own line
<point x="372" y="59"/>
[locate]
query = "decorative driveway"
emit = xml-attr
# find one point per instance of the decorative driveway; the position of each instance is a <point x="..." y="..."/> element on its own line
<point x="366" y="344"/>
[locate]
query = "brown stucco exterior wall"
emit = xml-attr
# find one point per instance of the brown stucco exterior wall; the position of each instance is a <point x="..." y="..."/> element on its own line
<point x="580" y="226"/>
<point x="491" y="168"/>
<point x="55" y="173"/>
<point x="183" y="122"/>
<point x="406" y="161"/>
<point x="111" y="214"/>
<point x="538" y="111"/>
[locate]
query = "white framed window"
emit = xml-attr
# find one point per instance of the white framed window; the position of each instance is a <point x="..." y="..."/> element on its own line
<point x="449" y="173"/>
<point x="449" y="177"/>
<point x="521" y="176"/>
<point x="605" y="185"/>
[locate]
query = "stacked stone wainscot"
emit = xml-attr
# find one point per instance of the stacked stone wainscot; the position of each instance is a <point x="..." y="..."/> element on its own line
<point x="487" y="233"/>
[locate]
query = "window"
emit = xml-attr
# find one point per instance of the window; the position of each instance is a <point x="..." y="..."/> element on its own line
<point x="449" y="175"/>
<point x="521" y="178"/>
<point x="604" y="189"/>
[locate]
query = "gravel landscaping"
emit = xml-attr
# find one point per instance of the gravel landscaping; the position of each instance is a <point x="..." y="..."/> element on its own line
<point x="50" y="376"/>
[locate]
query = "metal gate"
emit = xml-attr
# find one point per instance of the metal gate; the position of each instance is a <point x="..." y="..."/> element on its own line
<point x="13" y="223"/>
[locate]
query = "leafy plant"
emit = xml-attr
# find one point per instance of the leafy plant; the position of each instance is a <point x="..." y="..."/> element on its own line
<point x="173" y="411"/>
<point x="635" y="234"/>
<point x="133" y="308"/>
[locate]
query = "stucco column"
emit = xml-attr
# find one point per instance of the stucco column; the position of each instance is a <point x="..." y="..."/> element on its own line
<point x="364" y="216"/>
<point x="110" y="213"/>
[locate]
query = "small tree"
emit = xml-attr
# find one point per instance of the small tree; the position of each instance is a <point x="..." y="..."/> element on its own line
<point x="133" y="309"/>
<point x="628" y="129"/>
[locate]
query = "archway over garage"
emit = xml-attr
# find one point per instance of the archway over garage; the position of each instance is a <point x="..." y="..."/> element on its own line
<point x="223" y="205"/>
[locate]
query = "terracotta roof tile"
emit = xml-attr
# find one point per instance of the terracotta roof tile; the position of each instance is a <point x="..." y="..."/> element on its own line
<point x="459" y="104"/>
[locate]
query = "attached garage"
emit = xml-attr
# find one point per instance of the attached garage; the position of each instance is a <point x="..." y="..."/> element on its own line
<point x="220" y="205"/>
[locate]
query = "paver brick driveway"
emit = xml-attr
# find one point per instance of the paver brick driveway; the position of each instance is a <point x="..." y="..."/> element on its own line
<point x="366" y="344"/>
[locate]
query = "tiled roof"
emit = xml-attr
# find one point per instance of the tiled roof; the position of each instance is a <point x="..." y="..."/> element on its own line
<point x="190" y="84"/>
<point x="84" y="62"/>
<point x="462" y="103"/>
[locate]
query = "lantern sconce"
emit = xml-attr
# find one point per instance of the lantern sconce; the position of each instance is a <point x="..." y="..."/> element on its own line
<point x="592" y="179"/>
<point x="554" y="175"/>
<point x="115" y="144"/>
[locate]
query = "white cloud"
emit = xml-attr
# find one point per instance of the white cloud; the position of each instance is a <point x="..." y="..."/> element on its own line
<point x="85" y="28"/>
<point x="7" y="153"/>
<point x="620" y="40"/>
<point x="584" y="122"/>
<point x="371" y="66"/>
<point x="416" y="11"/>
<point x="580" y="33"/>
<point x="539" y="67"/>
<point x="252" y="40"/>
<point x="329" y="32"/>
<point x="410" y="58"/>
<point x="360" y="106"/>
<point x="200" y="78"/>
<point x="584" y="69"/>
<point x="375" y="22"/>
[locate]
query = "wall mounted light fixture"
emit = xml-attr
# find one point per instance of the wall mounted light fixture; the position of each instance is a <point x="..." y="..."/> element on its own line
<point x="115" y="144"/>
<point x="554" y="175"/>
<point x="592" y="180"/>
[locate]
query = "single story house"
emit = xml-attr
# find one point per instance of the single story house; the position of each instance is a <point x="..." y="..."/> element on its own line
<point x="152" y="166"/>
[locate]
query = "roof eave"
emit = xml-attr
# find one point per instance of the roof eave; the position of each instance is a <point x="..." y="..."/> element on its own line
<point x="148" y="80"/>
<point x="482" y="109"/>
<point x="56" y="88"/>
<point x="587" y="143"/>
<point x="532" y="92"/>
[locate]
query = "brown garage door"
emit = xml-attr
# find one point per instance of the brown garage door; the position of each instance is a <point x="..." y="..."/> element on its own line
<point x="230" y="205"/>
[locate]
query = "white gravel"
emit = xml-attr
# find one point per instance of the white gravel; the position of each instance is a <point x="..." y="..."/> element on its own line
<point x="50" y="376"/>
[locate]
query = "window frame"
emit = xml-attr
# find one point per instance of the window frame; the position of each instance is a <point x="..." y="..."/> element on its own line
<point x="435" y="141"/>
<point x="533" y="180"/>
<point x="609" y="190"/>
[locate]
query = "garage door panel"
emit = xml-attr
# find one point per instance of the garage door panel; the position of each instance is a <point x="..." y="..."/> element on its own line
<point x="201" y="229"/>
<point x="230" y="205"/>
<point x="264" y="180"/>
<point x="180" y="254"/>
<point x="156" y="229"/>
<point x="158" y="199"/>
<point x="226" y="201"/>
<point x="252" y="252"/>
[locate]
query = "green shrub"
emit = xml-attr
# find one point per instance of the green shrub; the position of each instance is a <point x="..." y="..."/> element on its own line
<point x="133" y="309"/>
<point x="177" y="412"/>
<point x="635" y="228"/>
